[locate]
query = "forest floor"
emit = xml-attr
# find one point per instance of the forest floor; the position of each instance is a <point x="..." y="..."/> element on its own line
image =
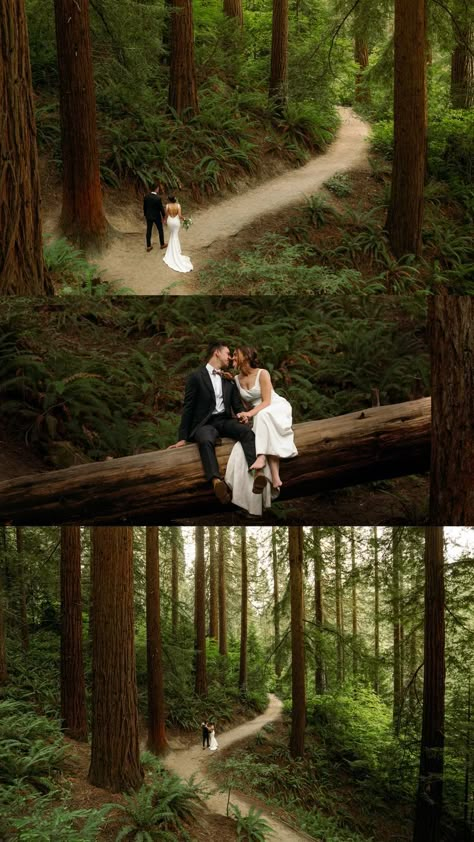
<point x="126" y="262"/>
<point x="213" y="823"/>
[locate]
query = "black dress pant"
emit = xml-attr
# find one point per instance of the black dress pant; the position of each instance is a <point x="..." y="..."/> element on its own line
<point x="149" y="228"/>
<point x="205" y="738"/>
<point x="216" y="427"/>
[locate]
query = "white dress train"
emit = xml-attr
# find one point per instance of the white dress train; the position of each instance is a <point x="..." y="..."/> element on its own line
<point x="273" y="437"/>
<point x="173" y="257"/>
<point x="213" y="744"/>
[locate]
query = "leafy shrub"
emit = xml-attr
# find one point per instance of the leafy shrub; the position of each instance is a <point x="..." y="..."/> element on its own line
<point x="31" y="747"/>
<point x="339" y="184"/>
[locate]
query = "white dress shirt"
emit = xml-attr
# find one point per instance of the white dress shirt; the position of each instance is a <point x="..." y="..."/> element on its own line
<point x="216" y="381"/>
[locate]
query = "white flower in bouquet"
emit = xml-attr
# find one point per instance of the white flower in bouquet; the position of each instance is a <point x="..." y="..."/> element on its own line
<point x="187" y="222"/>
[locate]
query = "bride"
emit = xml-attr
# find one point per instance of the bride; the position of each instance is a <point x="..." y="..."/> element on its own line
<point x="271" y="417"/>
<point x="213" y="744"/>
<point x="173" y="257"/>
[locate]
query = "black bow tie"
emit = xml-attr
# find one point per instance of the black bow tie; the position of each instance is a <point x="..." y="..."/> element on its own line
<point x="217" y="371"/>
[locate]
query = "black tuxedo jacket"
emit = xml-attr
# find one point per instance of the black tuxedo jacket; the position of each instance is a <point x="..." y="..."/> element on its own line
<point x="200" y="401"/>
<point x="153" y="207"/>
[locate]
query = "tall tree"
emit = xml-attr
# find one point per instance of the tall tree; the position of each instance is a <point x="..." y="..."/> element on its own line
<point x="397" y="656"/>
<point x="339" y="608"/>
<point x="319" y="674"/>
<point x="462" y="57"/>
<point x="82" y="214"/>
<point x="451" y="338"/>
<point x="278" y="89"/>
<point x="3" y="649"/>
<point x="276" y="604"/>
<point x="376" y="611"/>
<point x="222" y="595"/>
<point x="174" y="581"/>
<point x="21" y="243"/>
<point x="354" y="604"/>
<point x="233" y="9"/>
<point x="298" y="684"/>
<point x="157" y="742"/>
<point x="200" y="615"/>
<point x="430" y="787"/>
<point x="243" y="610"/>
<point x="405" y="213"/>
<point x="73" y="684"/>
<point x="213" y="607"/>
<point x="115" y="751"/>
<point x="182" y="94"/>
<point x="21" y="589"/>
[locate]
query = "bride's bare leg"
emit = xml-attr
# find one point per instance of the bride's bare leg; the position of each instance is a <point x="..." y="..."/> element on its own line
<point x="274" y="463"/>
<point x="259" y="463"/>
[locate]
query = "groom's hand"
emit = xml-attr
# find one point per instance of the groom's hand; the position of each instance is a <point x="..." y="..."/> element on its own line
<point x="243" y="417"/>
<point x="180" y="443"/>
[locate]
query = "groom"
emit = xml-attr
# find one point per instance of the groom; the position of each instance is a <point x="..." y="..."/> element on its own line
<point x="210" y="404"/>
<point x="154" y="213"/>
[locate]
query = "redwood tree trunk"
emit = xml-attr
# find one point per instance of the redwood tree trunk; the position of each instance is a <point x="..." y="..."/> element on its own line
<point x="82" y="215"/>
<point x="3" y="652"/>
<point x="276" y="605"/>
<point x="451" y="329"/>
<point x="233" y="9"/>
<point x="200" y="615"/>
<point x="430" y="787"/>
<point x="339" y="609"/>
<point x="361" y="55"/>
<point x="298" y="685"/>
<point x="174" y="581"/>
<point x="222" y="595"/>
<point x="182" y="95"/>
<point x="319" y="675"/>
<point x="21" y="591"/>
<point x="115" y="751"/>
<point x="156" y="694"/>
<point x="397" y="660"/>
<point x="376" y="611"/>
<point x="405" y="213"/>
<point x="213" y="610"/>
<point x="462" y="69"/>
<point x="243" y="612"/>
<point x="278" y="90"/>
<point x="354" y="605"/>
<point x="73" y="685"/>
<point x="21" y="243"/>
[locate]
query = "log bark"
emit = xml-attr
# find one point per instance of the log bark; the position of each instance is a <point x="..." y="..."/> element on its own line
<point x="162" y="486"/>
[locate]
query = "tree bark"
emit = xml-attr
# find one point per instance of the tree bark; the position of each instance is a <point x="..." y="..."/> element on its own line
<point x="298" y="685"/>
<point x="243" y="612"/>
<point x="376" y="611"/>
<point x="174" y="582"/>
<point x="276" y="605"/>
<point x="200" y="615"/>
<point x="396" y="625"/>
<point x="21" y="243"/>
<point x="462" y="68"/>
<point x="115" y="751"/>
<point x="339" y="609"/>
<point x="430" y="788"/>
<point x="354" y="605"/>
<point x="213" y="584"/>
<point x="319" y="674"/>
<point x="377" y="443"/>
<point x="451" y="337"/>
<point x="182" y="95"/>
<point x="278" y="89"/>
<point x="222" y="595"/>
<point x="21" y="592"/>
<point x="361" y="55"/>
<point x="405" y="213"/>
<point x="73" y="684"/>
<point x="82" y="214"/>
<point x="3" y="650"/>
<point x="233" y="9"/>
<point x="157" y="742"/>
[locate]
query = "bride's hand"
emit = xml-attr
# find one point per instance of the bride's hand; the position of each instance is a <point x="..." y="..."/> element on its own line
<point x="180" y="443"/>
<point x="243" y="417"/>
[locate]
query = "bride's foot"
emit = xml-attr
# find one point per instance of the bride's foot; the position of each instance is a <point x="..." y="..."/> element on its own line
<point x="277" y="484"/>
<point x="258" y="464"/>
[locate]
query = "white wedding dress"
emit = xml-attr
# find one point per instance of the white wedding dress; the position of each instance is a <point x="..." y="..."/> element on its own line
<point x="273" y="436"/>
<point x="173" y="257"/>
<point x="213" y="744"/>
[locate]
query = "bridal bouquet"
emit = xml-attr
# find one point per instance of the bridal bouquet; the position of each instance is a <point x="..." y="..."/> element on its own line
<point x="187" y="222"/>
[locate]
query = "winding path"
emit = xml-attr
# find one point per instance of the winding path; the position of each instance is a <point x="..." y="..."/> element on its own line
<point x="185" y="762"/>
<point x="146" y="274"/>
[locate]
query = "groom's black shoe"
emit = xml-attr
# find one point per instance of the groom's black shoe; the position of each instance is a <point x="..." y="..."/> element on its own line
<point x="149" y="248"/>
<point x="222" y="491"/>
<point x="163" y="246"/>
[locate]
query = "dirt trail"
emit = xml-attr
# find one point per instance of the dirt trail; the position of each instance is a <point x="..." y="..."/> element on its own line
<point x="186" y="762"/>
<point x="146" y="274"/>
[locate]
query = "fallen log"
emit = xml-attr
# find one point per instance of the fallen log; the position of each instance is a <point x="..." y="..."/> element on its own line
<point x="162" y="486"/>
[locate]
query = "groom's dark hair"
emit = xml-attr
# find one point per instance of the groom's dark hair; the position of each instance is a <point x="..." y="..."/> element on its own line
<point x="215" y="346"/>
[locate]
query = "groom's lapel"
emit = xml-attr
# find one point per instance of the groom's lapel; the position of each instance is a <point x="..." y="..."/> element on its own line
<point x="206" y="379"/>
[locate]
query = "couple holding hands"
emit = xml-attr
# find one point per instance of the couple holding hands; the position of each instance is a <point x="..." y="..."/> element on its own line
<point x="247" y="409"/>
